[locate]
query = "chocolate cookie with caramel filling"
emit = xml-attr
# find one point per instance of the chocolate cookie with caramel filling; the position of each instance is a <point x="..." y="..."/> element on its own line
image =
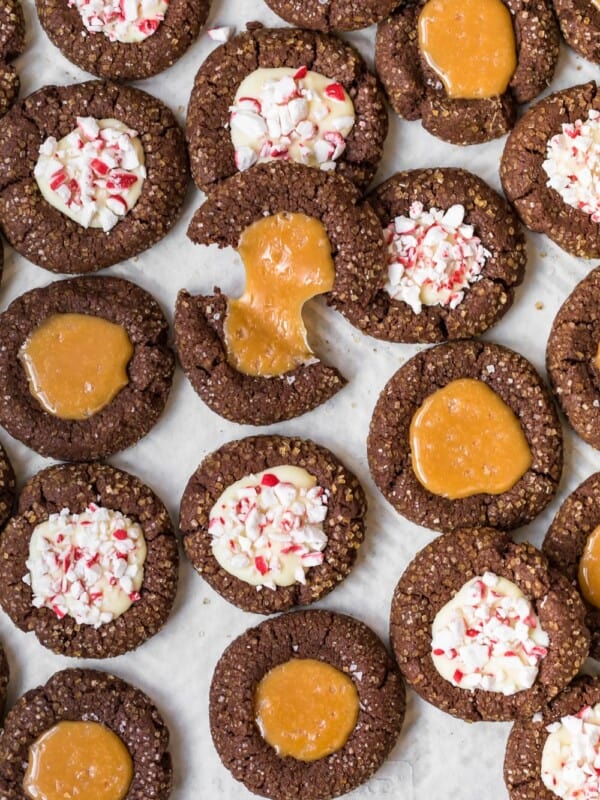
<point x="332" y="15"/>
<point x="89" y="562"/>
<point x="466" y="434"/>
<point x="90" y="174"/>
<point x="307" y="704"/>
<point x="87" y="732"/>
<point x="462" y="66"/>
<point x="285" y="94"/>
<point x="254" y="367"/>
<point x="12" y="44"/>
<point x="85" y="369"/>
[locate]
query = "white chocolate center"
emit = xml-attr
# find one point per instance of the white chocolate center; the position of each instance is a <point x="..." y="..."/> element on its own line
<point x="571" y="756"/>
<point x="127" y="21"/>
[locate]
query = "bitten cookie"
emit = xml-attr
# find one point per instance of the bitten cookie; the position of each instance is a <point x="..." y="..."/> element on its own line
<point x="85" y="369"/>
<point x="272" y="522"/>
<point x="317" y="650"/>
<point x="90" y="174"/>
<point x="336" y="15"/>
<point x="483" y="629"/>
<point x="451" y="88"/>
<point x="12" y="44"/>
<point x="549" y="151"/>
<point x="579" y="22"/>
<point x="337" y="119"/>
<point x="107" y="730"/>
<point x="430" y="438"/>
<point x="148" y="40"/>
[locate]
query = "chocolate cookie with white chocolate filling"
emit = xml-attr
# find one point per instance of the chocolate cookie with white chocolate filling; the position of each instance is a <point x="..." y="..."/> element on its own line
<point x="462" y="67"/>
<point x="332" y="15"/>
<point x="138" y="43"/>
<point x="272" y="522"/>
<point x="256" y="368"/>
<point x="483" y="629"/>
<point x="12" y="44"/>
<point x="85" y="369"/>
<point x="281" y="94"/>
<point x="429" y="445"/>
<point x="90" y="174"/>
<point x="306" y="704"/>
<point x="86" y="731"/>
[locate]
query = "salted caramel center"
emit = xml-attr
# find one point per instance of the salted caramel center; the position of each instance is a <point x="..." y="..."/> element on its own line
<point x="470" y="44"/>
<point x="288" y="260"/>
<point x="597" y="358"/>
<point x="589" y="569"/>
<point x="306" y="709"/>
<point x="465" y="440"/>
<point x="79" y="761"/>
<point x="76" y="364"/>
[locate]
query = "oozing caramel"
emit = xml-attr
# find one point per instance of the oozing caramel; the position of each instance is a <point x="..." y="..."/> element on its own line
<point x="465" y="440"/>
<point x="306" y="709"/>
<point x="589" y="569"/>
<point x="597" y="358"/>
<point x="288" y="260"/>
<point x="79" y="761"/>
<point x="76" y="363"/>
<point x="470" y="44"/>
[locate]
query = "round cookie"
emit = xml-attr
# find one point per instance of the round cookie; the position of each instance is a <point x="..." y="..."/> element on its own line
<point x="485" y="300"/>
<point x="579" y="22"/>
<point x="211" y="152"/>
<point x="131" y="413"/>
<point x="524" y="180"/>
<point x="416" y="92"/>
<point x="95" y="52"/>
<point x="89" y="695"/>
<point x="431" y="580"/>
<point x="45" y="235"/>
<point x="336" y="15"/>
<point x="346" y="644"/>
<point x="74" y="487"/>
<point x="344" y="524"/>
<point x="517" y="383"/>
<point x="359" y="257"/>
<point x="12" y="44"/>
<point x="571" y="355"/>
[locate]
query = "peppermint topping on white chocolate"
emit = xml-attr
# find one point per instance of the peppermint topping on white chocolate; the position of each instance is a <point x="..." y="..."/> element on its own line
<point x="488" y="637"/>
<point x="89" y="565"/>
<point x="267" y="528"/>
<point x="285" y="114"/>
<point x="433" y="256"/>
<point x="573" y="164"/>
<point x="126" y="21"/>
<point x="571" y="756"/>
<point x="95" y="174"/>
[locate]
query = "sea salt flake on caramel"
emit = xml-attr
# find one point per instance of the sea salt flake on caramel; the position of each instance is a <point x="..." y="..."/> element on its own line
<point x="306" y="708"/>
<point x="288" y="260"/>
<point x="465" y="440"/>
<point x="470" y="45"/>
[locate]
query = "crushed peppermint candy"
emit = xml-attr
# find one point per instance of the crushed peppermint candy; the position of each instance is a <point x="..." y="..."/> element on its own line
<point x="222" y="34"/>
<point x="89" y="566"/>
<point x="126" y="21"/>
<point x="488" y="637"/>
<point x="433" y="257"/>
<point x="267" y="529"/>
<point x="571" y="756"/>
<point x="573" y="164"/>
<point x="285" y="114"/>
<point x="95" y="174"/>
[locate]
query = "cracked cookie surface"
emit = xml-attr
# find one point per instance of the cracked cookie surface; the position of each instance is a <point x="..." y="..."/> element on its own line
<point x="12" y="44"/>
<point x="332" y="15"/>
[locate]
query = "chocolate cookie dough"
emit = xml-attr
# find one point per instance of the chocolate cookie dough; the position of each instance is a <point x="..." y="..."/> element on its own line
<point x="514" y="380"/>
<point x="434" y="577"/>
<point x="12" y="44"/>
<point x="415" y="90"/>
<point x="525" y="181"/>
<point x="413" y="193"/>
<point x="579" y="22"/>
<point x="97" y="697"/>
<point x="346" y="644"/>
<point x="211" y="151"/>
<point x="45" y="235"/>
<point x="572" y="358"/>
<point x="336" y="15"/>
<point x="109" y="57"/>
<point x="359" y="258"/>
<point x="343" y="524"/>
<point x="135" y="408"/>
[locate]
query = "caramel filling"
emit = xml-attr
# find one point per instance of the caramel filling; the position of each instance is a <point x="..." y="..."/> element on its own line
<point x="589" y="569"/>
<point x="465" y="440"/>
<point x="470" y="44"/>
<point x="76" y="364"/>
<point x="288" y="260"/>
<point x="597" y="358"/>
<point x="79" y="761"/>
<point x="306" y="709"/>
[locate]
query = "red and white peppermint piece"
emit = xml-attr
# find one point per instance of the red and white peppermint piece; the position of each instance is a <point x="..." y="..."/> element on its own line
<point x="571" y="756"/>
<point x="122" y="20"/>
